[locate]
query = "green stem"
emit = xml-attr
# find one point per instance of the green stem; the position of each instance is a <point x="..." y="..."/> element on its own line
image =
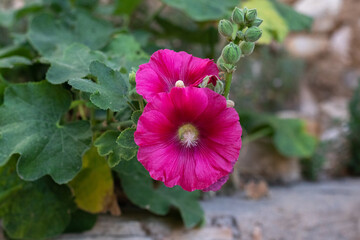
<point x="228" y="78"/>
<point x="109" y="116"/>
<point x="82" y="112"/>
<point x="92" y="117"/>
<point x="141" y="103"/>
<point x="257" y="135"/>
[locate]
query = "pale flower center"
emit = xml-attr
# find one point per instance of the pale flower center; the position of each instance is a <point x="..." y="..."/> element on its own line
<point x="188" y="135"/>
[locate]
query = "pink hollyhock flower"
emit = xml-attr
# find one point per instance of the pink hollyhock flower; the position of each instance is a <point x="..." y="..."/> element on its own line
<point x="188" y="137"/>
<point x="166" y="67"/>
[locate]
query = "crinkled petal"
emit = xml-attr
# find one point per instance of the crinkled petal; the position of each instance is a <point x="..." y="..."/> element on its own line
<point x="166" y="67"/>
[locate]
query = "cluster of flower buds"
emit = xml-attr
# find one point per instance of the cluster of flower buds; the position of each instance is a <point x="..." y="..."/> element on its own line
<point x="242" y="32"/>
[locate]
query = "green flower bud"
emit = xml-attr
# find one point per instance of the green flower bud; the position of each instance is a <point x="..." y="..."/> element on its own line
<point x="231" y="53"/>
<point x="253" y="34"/>
<point x="132" y="76"/>
<point x="225" y="28"/>
<point x="247" y="48"/>
<point x="257" y="22"/>
<point x="238" y="16"/>
<point x="251" y="15"/>
<point x="223" y="66"/>
<point x="240" y="35"/>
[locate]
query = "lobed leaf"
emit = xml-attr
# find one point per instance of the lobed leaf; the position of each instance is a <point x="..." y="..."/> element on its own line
<point x="93" y="187"/>
<point x="126" y="138"/>
<point x="110" y="91"/>
<point x="48" y="34"/>
<point x="71" y="62"/>
<point x="138" y="186"/>
<point x="203" y="10"/>
<point x="107" y="146"/>
<point x="35" y="210"/>
<point x="29" y="126"/>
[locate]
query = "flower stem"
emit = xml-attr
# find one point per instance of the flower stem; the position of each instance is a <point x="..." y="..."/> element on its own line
<point x="228" y="78"/>
<point x="109" y="116"/>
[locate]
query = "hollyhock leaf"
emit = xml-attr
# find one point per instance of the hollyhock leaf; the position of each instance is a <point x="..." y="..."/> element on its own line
<point x="47" y="34"/>
<point x="135" y="116"/>
<point x="110" y="90"/>
<point x="107" y="146"/>
<point x="81" y="221"/>
<point x="291" y="139"/>
<point x="124" y="50"/>
<point x="203" y="10"/>
<point x="12" y="61"/>
<point x="93" y="187"/>
<point x="139" y="188"/>
<point x="126" y="6"/>
<point x="29" y="126"/>
<point x="71" y="62"/>
<point x="126" y="138"/>
<point x="35" y="210"/>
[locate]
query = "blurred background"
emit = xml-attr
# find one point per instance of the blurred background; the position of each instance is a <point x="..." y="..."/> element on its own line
<point x="298" y="94"/>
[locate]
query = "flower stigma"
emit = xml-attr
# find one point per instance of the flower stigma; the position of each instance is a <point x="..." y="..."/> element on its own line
<point x="188" y="135"/>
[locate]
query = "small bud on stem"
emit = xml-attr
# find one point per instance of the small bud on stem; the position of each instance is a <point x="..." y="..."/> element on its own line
<point x="226" y="28"/>
<point x="231" y="53"/>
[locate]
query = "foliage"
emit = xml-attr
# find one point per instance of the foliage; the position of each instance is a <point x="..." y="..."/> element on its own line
<point x="289" y="135"/>
<point x="68" y="109"/>
<point x="354" y="137"/>
<point x="312" y="166"/>
<point x="138" y="186"/>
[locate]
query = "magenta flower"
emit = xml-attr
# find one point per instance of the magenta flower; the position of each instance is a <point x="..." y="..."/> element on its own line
<point x="188" y="137"/>
<point x="166" y="67"/>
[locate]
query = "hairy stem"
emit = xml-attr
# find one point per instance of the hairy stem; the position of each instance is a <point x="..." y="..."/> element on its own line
<point x="228" y="78"/>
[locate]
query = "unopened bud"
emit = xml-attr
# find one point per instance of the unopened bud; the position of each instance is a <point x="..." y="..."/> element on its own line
<point x="132" y="76"/>
<point x="237" y="16"/>
<point x="225" y="28"/>
<point x="231" y="53"/>
<point x="230" y="103"/>
<point x="219" y="88"/>
<point x="257" y="22"/>
<point x="179" y="84"/>
<point x="240" y="35"/>
<point x="247" y="48"/>
<point x="223" y="66"/>
<point x="251" y="15"/>
<point x="253" y="34"/>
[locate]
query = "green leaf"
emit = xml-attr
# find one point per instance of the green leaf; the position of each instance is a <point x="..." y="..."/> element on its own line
<point x="110" y="91"/>
<point x="295" y="21"/>
<point x="72" y="62"/>
<point x="291" y="139"/>
<point x="203" y="10"/>
<point x="10" y="62"/>
<point x="138" y="186"/>
<point x="126" y="138"/>
<point x="48" y="34"/>
<point x="93" y="187"/>
<point x="126" y="6"/>
<point x="29" y="126"/>
<point x="3" y="85"/>
<point x="289" y="135"/>
<point x="274" y="26"/>
<point x="135" y="116"/>
<point x="81" y="221"/>
<point x="107" y="146"/>
<point x="36" y="210"/>
<point x="124" y="50"/>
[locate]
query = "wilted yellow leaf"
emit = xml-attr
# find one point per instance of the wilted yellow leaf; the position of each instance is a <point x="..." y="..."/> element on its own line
<point x="274" y="26"/>
<point x="93" y="187"/>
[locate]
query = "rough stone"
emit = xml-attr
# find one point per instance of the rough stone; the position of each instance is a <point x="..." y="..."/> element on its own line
<point x="306" y="46"/>
<point x="261" y="159"/>
<point x="319" y="8"/>
<point x="340" y="43"/>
